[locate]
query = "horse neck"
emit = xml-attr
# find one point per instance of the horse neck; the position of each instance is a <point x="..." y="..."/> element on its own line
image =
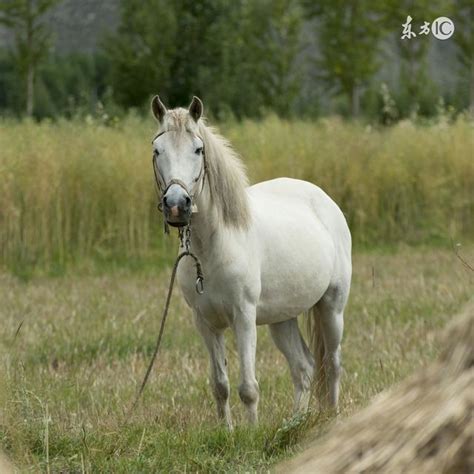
<point x="205" y="228"/>
<point x="215" y="217"/>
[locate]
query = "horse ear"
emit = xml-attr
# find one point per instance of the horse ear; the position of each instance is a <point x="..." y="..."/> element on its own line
<point x="196" y="108"/>
<point x="158" y="109"/>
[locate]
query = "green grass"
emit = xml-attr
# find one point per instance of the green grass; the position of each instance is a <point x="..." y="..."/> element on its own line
<point x="80" y="195"/>
<point x="84" y="270"/>
<point x="70" y="373"/>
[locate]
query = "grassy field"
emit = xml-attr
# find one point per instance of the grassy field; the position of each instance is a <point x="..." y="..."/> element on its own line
<point x="81" y="193"/>
<point x="75" y="348"/>
<point x="84" y="269"/>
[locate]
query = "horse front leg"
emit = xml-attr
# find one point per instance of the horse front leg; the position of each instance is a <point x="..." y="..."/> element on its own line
<point x="215" y="343"/>
<point x="245" y="330"/>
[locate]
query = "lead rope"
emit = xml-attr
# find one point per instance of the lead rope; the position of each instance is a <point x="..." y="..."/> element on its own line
<point x="199" y="290"/>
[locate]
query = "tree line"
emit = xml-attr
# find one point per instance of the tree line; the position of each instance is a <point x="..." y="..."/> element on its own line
<point x="245" y="58"/>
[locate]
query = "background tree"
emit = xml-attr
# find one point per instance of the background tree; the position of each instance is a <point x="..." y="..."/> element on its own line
<point x="349" y="38"/>
<point x="140" y="52"/>
<point x="244" y="58"/>
<point x="205" y="33"/>
<point x="238" y="56"/>
<point x="25" y="18"/>
<point x="418" y="91"/>
<point x="273" y="45"/>
<point x="463" y="18"/>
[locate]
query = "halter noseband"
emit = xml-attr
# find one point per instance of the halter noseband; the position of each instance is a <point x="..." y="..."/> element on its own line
<point x="163" y="187"/>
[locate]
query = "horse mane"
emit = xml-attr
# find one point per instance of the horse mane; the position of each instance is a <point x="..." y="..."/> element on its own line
<point x="226" y="174"/>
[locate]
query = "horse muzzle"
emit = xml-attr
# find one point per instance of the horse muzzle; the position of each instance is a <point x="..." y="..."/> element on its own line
<point x="177" y="206"/>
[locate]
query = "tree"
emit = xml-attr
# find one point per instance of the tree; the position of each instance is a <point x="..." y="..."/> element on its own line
<point x="416" y="84"/>
<point x="464" y="38"/>
<point x="141" y="51"/>
<point x="247" y="61"/>
<point x="349" y="35"/>
<point x="25" y="17"/>
<point x="273" y="44"/>
<point x="237" y="56"/>
<point x="199" y="65"/>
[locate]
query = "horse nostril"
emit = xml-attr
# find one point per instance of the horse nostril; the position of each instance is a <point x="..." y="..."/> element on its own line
<point x="187" y="200"/>
<point x="165" y="201"/>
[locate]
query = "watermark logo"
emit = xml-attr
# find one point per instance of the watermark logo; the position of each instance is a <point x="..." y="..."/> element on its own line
<point x="407" y="33"/>
<point x="442" y="28"/>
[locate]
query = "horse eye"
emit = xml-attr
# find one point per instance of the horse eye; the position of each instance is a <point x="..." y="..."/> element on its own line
<point x="156" y="152"/>
<point x="198" y="150"/>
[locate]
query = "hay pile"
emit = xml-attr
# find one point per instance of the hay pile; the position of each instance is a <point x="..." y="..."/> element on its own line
<point x="5" y="466"/>
<point x="424" y="425"/>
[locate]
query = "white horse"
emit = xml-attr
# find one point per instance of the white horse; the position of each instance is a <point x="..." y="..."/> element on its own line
<point x="269" y="252"/>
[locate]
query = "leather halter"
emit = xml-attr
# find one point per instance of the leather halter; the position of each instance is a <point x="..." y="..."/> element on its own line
<point x="163" y="186"/>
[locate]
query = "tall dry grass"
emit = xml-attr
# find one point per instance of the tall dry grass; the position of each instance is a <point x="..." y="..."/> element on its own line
<point x="75" y="190"/>
<point x="407" y="183"/>
<point x="70" y="190"/>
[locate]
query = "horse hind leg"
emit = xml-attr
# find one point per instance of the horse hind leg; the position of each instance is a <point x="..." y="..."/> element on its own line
<point x="288" y="339"/>
<point x="328" y="316"/>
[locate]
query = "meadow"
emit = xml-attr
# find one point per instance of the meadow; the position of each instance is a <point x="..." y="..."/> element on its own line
<point x="75" y="192"/>
<point x="70" y="372"/>
<point x="84" y="269"/>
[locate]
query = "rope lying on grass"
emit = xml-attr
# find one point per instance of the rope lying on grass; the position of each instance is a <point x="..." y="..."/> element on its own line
<point x="425" y="425"/>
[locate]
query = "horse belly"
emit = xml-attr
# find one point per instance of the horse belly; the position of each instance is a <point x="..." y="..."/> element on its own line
<point x="296" y="271"/>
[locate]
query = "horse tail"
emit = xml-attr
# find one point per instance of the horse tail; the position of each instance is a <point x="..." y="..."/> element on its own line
<point x="317" y="348"/>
